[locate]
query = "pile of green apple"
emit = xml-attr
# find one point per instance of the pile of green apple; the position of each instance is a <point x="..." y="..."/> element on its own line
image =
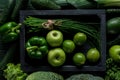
<point x="61" y="48"/>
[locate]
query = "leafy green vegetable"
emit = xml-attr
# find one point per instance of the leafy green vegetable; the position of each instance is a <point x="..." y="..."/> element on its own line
<point x="14" y="72"/>
<point x="61" y="2"/>
<point x="80" y="3"/>
<point x="48" y="4"/>
<point x="113" y="70"/>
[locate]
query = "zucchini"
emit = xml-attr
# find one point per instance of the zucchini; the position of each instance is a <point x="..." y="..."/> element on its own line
<point x="8" y="57"/>
<point x="7" y="11"/>
<point x="18" y="5"/>
<point x="44" y="4"/>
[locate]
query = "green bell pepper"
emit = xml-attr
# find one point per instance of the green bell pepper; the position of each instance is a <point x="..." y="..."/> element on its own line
<point x="36" y="47"/>
<point x="10" y="31"/>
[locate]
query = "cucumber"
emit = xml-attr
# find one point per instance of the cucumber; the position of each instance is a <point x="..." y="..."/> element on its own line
<point x="18" y="5"/>
<point x="7" y="11"/>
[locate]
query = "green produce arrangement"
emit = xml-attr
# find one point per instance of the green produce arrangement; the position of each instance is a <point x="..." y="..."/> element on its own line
<point x="74" y="42"/>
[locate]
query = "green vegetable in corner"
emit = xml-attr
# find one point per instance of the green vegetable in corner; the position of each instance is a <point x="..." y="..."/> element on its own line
<point x="36" y="47"/>
<point x="113" y="25"/>
<point x="42" y="75"/>
<point x="44" y="4"/>
<point x="9" y="31"/>
<point x="84" y="77"/>
<point x="14" y="72"/>
<point x="68" y="26"/>
<point x="112" y="70"/>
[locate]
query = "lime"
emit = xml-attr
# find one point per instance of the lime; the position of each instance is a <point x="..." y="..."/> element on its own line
<point x="79" y="38"/>
<point x="68" y="46"/>
<point x="79" y="59"/>
<point x="93" y="55"/>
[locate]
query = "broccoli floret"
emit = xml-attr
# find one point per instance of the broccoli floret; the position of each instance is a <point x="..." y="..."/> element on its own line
<point x="84" y="77"/>
<point x="44" y="75"/>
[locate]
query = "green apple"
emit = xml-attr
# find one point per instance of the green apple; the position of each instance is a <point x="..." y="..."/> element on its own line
<point x="114" y="53"/>
<point x="79" y="59"/>
<point x="56" y="57"/>
<point x="54" y="38"/>
<point x="80" y="38"/>
<point x="93" y="55"/>
<point x="68" y="46"/>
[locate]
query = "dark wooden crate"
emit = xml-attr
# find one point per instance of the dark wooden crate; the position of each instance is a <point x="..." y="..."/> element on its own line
<point x="74" y="14"/>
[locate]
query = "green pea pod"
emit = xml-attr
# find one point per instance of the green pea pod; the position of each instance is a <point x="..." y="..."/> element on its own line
<point x="7" y="26"/>
<point x="36" y="47"/>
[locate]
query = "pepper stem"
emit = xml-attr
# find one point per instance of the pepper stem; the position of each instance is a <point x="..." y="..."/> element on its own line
<point x="17" y="27"/>
<point x="31" y="48"/>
